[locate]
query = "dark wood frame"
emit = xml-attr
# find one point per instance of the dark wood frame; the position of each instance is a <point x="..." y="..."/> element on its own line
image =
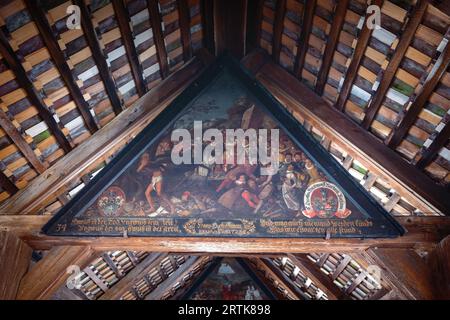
<point x="336" y="173"/>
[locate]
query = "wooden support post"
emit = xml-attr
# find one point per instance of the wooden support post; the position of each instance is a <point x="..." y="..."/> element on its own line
<point x="408" y="117"/>
<point x="207" y="13"/>
<point x="37" y="13"/>
<point x="439" y="264"/>
<point x="308" y="14"/>
<point x="254" y="20"/>
<point x="278" y="26"/>
<point x="185" y="28"/>
<point x="176" y="276"/>
<point x="388" y="75"/>
<point x="158" y="37"/>
<point x="50" y="272"/>
<point x="15" y="257"/>
<point x="99" y="57"/>
<point x="333" y="37"/>
<point x="24" y="81"/>
<point x="20" y="143"/>
<point x="357" y="56"/>
<point x="122" y="17"/>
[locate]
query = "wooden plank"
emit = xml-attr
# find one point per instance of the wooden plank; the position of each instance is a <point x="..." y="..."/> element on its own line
<point x="308" y="14"/>
<point x="7" y="184"/>
<point x="20" y="142"/>
<point x="408" y="117"/>
<point x="254" y="20"/>
<point x="278" y="26"/>
<point x="60" y="62"/>
<point x="130" y="279"/>
<point x="207" y="14"/>
<point x="99" y="57"/>
<point x="427" y="155"/>
<point x="15" y="257"/>
<point x="352" y="71"/>
<point x="410" y="183"/>
<point x="388" y="75"/>
<point x="185" y="28"/>
<point x="158" y="37"/>
<point x="112" y="265"/>
<point x="332" y="40"/>
<point x="422" y="232"/>
<point x="24" y="81"/>
<point x="50" y="272"/>
<point x="229" y="27"/>
<point x="121" y="129"/>
<point x="439" y="262"/>
<point x="342" y="264"/>
<point x="176" y="276"/>
<point x="95" y="278"/>
<point x="123" y="21"/>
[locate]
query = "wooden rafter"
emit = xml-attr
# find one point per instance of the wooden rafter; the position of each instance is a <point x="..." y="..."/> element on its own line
<point x="35" y="98"/>
<point x="7" y="185"/>
<point x="176" y="276"/>
<point x="37" y="13"/>
<point x="50" y="272"/>
<point x="352" y="71"/>
<point x="20" y="143"/>
<point x="122" y="17"/>
<point x="388" y="75"/>
<point x="185" y="28"/>
<point x="278" y="25"/>
<point x="332" y="40"/>
<point x="130" y="279"/>
<point x="158" y="37"/>
<point x="409" y="116"/>
<point x="99" y="57"/>
<point x="207" y="13"/>
<point x="15" y="258"/>
<point x="308" y="14"/>
<point x="254" y="20"/>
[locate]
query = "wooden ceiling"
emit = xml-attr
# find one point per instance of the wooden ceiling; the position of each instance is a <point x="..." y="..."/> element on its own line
<point x="71" y="99"/>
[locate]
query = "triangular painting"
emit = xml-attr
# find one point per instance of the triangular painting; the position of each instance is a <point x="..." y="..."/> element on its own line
<point x="229" y="279"/>
<point x="224" y="159"/>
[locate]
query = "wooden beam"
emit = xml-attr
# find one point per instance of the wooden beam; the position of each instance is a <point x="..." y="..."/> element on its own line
<point x="185" y="28"/>
<point x="37" y="13"/>
<point x="158" y="37"/>
<point x="352" y="71"/>
<point x="99" y="57"/>
<point x="14" y="134"/>
<point x="412" y="184"/>
<point x="278" y="26"/>
<point x="50" y="273"/>
<point x="207" y="13"/>
<point x="176" y="276"/>
<point x="24" y="81"/>
<point x="321" y="280"/>
<point x="409" y="116"/>
<point x="341" y="266"/>
<point x="15" y="257"/>
<point x="332" y="40"/>
<point x="121" y="129"/>
<point x="7" y="185"/>
<point x="308" y="14"/>
<point x="123" y="21"/>
<point x="229" y="27"/>
<point x="254" y="20"/>
<point x="388" y="75"/>
<point x="427" y="155"/>
<point x="130" y="279"/>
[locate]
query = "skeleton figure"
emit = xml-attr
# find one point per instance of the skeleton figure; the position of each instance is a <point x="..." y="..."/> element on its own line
<point x="289" y="189"/>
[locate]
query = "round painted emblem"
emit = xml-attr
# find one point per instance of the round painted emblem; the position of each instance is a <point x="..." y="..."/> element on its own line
<point x="324" y="200"/>
<point x="111" y="201"/>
